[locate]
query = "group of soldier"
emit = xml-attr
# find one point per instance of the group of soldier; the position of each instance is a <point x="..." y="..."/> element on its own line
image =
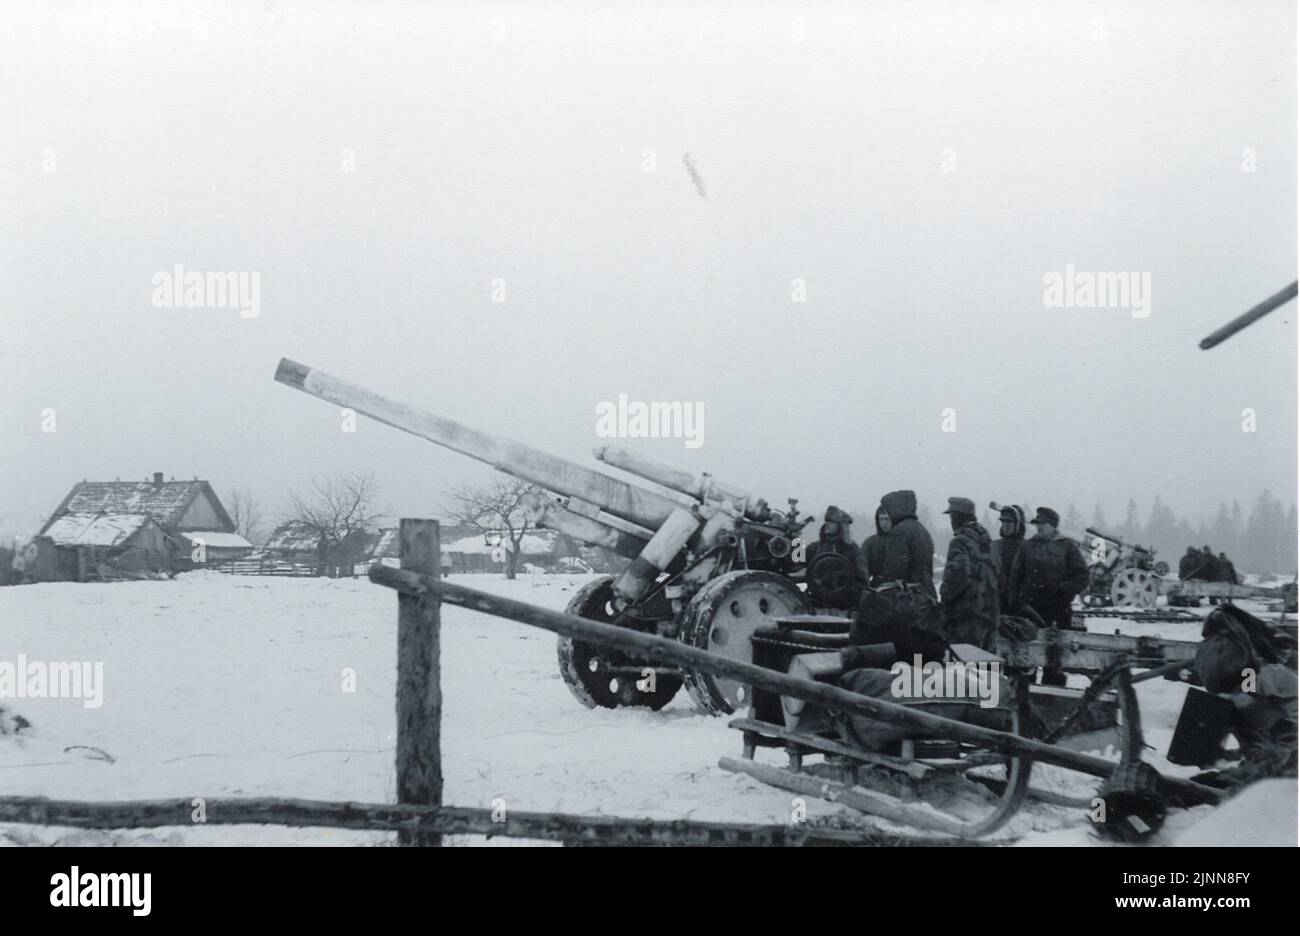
<point x="1203" y="565"/>
<point x="1034" y="576"/>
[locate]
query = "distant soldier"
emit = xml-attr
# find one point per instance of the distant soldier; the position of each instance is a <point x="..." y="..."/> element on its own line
<point x="1227" y="571"/>
<point x="1209" y="569"/>
<point x="902" y="550"/>
<point x="969" y="594"/>
<point x="1189" y="569"/>
<point x="1011" y="536"/>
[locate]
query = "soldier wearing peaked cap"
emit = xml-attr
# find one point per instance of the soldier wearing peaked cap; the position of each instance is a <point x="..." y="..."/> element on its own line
<point x="1011" y="536"/>
<point x="1047" y="573"/>
<point x="969" y="593"/>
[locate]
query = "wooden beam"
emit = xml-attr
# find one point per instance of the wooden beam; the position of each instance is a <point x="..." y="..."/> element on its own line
<point x="434" y="821"/>
<point x="1080" y="651"/>
<point x="661" y="649"/>
<point x="419" y="689"/>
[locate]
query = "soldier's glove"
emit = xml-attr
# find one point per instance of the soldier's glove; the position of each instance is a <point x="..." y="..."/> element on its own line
<point x="1016" y="628"/>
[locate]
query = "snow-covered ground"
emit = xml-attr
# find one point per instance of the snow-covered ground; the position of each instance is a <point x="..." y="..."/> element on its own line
<point x="221" y="685"/>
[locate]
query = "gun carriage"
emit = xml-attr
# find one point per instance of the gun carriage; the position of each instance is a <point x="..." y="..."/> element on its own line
<point x="710" y="563"/>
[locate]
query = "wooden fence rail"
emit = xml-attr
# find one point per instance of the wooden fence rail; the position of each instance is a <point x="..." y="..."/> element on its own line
<point x="418" y="823"/>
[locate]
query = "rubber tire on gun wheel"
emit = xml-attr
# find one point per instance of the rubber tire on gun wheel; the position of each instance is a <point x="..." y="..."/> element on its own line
<point x="584" y="666"/>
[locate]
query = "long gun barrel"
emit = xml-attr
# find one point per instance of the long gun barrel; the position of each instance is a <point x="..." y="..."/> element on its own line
<point x="1109" y="537"/>
<point x="1250" y="316"/>
<point x="697" y="487"/>
<point x="636" y="505"/>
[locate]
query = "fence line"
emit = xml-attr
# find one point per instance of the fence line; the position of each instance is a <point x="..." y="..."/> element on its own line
<point x="430" y="821"/>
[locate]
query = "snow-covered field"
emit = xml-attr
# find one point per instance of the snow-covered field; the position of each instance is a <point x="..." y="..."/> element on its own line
<point x="235" y="686"/>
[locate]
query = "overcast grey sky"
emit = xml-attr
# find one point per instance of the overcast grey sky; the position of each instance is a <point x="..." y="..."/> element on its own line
<point x="921" y="167"/>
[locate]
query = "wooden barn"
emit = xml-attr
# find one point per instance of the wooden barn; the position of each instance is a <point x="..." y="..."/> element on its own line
<point x="79" y="547"/>
<point x="295" y="542"/>
<point x="132" y="528"/>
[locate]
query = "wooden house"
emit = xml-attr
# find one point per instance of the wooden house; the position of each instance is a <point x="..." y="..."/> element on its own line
<point x="135" y="527"/>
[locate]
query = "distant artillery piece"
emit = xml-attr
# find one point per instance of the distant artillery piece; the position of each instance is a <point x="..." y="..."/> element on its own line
<point x="1130" y="577"/>
<point x="1121" y="574"/>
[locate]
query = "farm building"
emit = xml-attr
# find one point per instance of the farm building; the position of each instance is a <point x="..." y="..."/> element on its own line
<point x="483" y="552"/>
<point x="294" y="542"/>
<point x="109" y="529"/>
<point x="300" y="547"/>
<point x="294" y="548"/>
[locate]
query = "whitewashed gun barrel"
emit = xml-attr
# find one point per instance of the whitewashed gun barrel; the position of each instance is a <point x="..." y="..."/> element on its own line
<point x="703" y="487"/>
<point x="641" y="506"/>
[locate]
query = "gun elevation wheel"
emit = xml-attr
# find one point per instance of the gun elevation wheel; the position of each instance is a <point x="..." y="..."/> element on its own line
<point x="605" y="678"/>
<point x="721" y="618"/>
<point x="833" y="581"/>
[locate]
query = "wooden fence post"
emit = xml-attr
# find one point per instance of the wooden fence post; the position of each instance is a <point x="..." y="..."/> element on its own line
<point x="419" y="690"/>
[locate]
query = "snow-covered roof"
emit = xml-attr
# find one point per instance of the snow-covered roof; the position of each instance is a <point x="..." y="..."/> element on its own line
<point x="92" y="529"/>
<point x="293" y="537"/>
<point x="219" y="540"/>
<point x="532" y="544"/>
<point x="385" y="545"/>
<point x="165" y="501"/>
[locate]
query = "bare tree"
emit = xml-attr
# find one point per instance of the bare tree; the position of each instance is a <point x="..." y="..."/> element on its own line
<point x="246" y="512"/>
<point x="342" y="512"/>
<point x="494" y="507"/>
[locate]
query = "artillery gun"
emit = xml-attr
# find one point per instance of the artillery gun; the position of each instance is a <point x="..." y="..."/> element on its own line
<point x="710" y="563"/>
<point x="1121" y="574"/>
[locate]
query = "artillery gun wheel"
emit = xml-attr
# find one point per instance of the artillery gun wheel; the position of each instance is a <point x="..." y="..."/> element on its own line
<point x="1161" y="568"/>
<point x="1134" y="588"/>
<point x="722" y="617"/>
<point x="604" y="678"/>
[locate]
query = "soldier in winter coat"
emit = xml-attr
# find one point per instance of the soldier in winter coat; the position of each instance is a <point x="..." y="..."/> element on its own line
<point x="1011" y="536"/>
<point x="969" y="594"/>
<point x="904" y="552"/>
<point x="1049" y="571"/>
